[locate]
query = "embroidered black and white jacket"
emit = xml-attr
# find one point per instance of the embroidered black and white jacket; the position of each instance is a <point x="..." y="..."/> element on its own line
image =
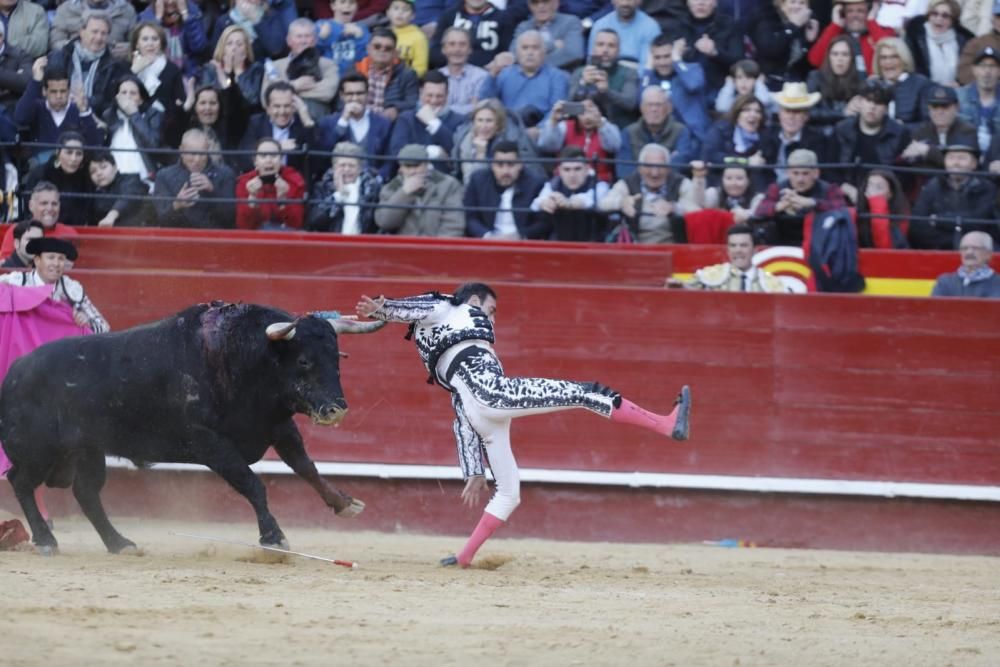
<point x="438" y="325"/>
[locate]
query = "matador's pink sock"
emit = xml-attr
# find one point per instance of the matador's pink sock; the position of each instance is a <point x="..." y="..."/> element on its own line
<point x="674" y="425"/>
<point x="40" y="501"/>
<point x="488" y="525"/>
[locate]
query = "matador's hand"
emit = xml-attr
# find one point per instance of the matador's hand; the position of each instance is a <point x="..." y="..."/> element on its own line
<point x="367" y="305"/>
<point x="473" y="487"/>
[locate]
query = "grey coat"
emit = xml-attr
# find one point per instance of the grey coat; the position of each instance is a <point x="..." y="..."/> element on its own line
<point x="400" y="218"/>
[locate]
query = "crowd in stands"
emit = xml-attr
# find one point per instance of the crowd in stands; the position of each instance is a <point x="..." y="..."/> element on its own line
<point x="574" y="120"/>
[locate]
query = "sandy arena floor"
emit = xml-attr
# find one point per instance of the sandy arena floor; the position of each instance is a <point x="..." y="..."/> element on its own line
<point x="185" y="602"/>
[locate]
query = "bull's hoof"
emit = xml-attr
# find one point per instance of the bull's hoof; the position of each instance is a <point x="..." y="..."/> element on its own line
<point x="47" y="549"/>
<point x="281" y="544"/>
<point x="355" y="508"/>
<point x="122" y="546"/>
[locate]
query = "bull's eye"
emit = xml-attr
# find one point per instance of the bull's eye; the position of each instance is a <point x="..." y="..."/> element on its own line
<point x="304" y="363"/>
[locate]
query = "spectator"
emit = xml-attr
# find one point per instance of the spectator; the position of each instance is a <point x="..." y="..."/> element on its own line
<point x="735" y="195"/>
<point x="568" y="202"/>
<point x="974" y="277"/>
<point x="893" y="66"/>
<point x="634" y="27"/>
<point x="28" y="26"/>
<point x="738" y="274"/>
<point x="287" y="120"/>
<point x="372" y="12"/>
<point x="788" y="203"/>
<point x="738" y="134"/>
<point x="262" y="192"/>
<point x="220" y="113"/>
<point x="233" y="64"/>
<point x="179" y="188"/>
<point x="15" y="72"/>
<point x="896" y="15"/>
<point x="972" y="48"/>
<point x="608" y="82"/>
<point x="936" y="40"/>
<point x="432" y="125"/>
<point x="977" y="18"/>
<point x="979" y="102"/>
<point x="265" y="23"/>
<point x="792" y="131"/>
<point x="713" y="38"/>
<point x="411" y="42"/>
<point x="46" y="111"/>
<point x="850" y="17"/>
<point x="341" y="39"/>
<point x="43" y="205"/>
<point x="782" y="35"/>
<point x="839" y="84"/>
<point x="684" y="83"/>
<point x="488" y="124"/>
<point x="313" y="77"/>
<point x="655" y="126"/>
<point x="392" y="86"/>
<point x="344" y="200"/>
<point x="465" y="80"/>
<point x="134" y="126"/>
<point x="744" y="79"/>
<point x="88" y="61"/>
<point x="588" y="130"/>
<point x="651" y="201"/>
<point x="506" y="190"/>
<point x="420" y="201"/>
<point x="530" y="87"/>
<point x="943" y="128"/>
<point x="881" y="207"/>
<point x="870" y="138"/>
<point x="561" y="33"/>
<point x="24" y="233"/>
<point x="426" y="15"/>
<point x="71" y="18"/>
<point x="67" y="171"/>
<point x="356" y="123"/>
<point x="950" y="200"/>
<point x="186" y="40"/>
<point x="119" y="198"/>
<point x="161" y="78"/>
<point x="50" y="258"/>
<point x="491" y="30"/>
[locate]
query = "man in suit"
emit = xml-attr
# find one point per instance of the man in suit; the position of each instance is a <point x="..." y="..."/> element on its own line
<point x="502" y="186"/>
<point x="286" y="120"/>
<point x="357" y="124"/>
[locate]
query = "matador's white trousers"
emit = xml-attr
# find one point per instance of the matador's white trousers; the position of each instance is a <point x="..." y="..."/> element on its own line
<point x="486" y="401"/>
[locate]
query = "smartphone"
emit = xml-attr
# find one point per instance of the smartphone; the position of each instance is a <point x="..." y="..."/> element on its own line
<point x="269" y="179"/>
<point x="572" y="109"/>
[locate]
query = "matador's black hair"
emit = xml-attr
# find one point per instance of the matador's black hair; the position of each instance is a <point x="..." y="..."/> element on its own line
<point x="465" y="292"/>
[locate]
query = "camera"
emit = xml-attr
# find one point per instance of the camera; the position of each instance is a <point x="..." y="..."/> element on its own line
<point x="572" y="109"/>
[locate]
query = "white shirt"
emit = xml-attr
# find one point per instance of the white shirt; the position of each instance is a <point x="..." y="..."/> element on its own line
<point x="66" y="289"/>
<point x="352" y="224"/>
<point x="504" y="226"/>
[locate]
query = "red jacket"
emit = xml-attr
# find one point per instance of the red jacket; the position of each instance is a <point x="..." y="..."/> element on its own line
<point x="590" y="143"/>
<point x="817" y="54"/>
<point x="253" y="216"/>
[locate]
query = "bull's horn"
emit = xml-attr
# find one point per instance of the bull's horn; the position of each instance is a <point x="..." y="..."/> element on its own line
<point x="281" y="331"/>
<point x="350" y="326"/>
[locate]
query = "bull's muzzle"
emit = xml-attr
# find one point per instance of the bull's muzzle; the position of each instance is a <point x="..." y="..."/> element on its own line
<point x="329" y="415"/>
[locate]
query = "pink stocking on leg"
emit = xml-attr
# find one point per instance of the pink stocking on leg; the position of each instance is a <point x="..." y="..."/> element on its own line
<point x="488" y="525"/>
<point x="40" y="501"/>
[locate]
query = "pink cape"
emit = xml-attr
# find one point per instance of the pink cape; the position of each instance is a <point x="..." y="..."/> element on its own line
<point x="29" y="318"/>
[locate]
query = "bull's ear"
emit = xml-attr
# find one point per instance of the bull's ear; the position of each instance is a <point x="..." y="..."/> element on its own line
<point x="281" y="331"/>
<point x="350" y="325"/>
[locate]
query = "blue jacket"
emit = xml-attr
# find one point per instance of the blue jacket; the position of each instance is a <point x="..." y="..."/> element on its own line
<point x="687" y="92"/>
<point x="30" y="112"/>
<point x="483" y="191"/>
<point x="517" y="91"/>
<point x="409" y="130"/>
<point x="329" y="132"/>
<point x="271" y="30"/>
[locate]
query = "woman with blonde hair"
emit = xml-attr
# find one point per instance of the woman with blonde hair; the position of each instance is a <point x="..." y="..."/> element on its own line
<point x="893" y="64"/>
<point x="232" y="63"/>
<point x="474" y="140"/>
<point x="936" y="40"/>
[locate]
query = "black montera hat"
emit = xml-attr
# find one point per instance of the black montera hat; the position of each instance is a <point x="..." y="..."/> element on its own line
<point x="52" y="244"/>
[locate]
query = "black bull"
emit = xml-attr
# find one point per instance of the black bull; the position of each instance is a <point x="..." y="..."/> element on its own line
<point x="216" y="385"/>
